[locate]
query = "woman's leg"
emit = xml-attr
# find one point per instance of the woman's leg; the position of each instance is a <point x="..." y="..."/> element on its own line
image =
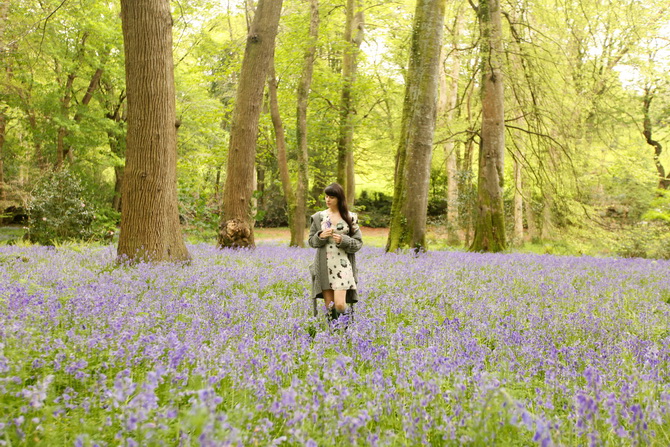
<point x="328" y="298"/>
<point x="340" y="300"/>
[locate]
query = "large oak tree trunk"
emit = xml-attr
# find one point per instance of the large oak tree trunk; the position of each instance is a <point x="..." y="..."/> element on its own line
<point x="353" y="36"/>
<point x="236" y="229"/>
<point x="490" y="223"/>
<point x="415" y="149"/>
<point x="150" y="217"/>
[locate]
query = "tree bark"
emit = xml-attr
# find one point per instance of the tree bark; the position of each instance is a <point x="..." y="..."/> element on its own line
<point x="282" y="159"/>
<point x="65" y="106"/>
<point x="4" y="7"/>
<point x="150" y="217"/>
<point x="300" y="220"/>
<point x="237" y="224"/>
<point x="531" y="217"/>
<point x="353" y="37"/>
<point x="116" y="141"/>
<point x="467" y="186"/>
<point x="280" y="139"/>
<point x="413" y="158"/>
<point x="547" y="221"/>
<point x="518" y="203"/>
<point x="490" y="223"/>
<point x="446" y="108"/>
<point x="118" y="188"/>
<point x="663" y="180"/>
<point x="3" y="126"/>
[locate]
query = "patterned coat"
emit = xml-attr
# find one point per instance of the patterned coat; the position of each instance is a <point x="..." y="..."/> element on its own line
<point x="319" y="268"/>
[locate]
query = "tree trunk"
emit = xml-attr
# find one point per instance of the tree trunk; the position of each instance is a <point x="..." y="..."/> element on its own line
<point x="282" y="159"/>
<point x="415" y="149"/>
<point x="490" y="223"/>
<point x="547" y="221"/>
<point x="65" y="106"/>
<point x="92" y="87"/>
<point x="353" y="36"/>
<point x="529" y="210"/>
<point x="467" y="187"/>
<point x="663" y="180"/>
<point x="39" y="157"/>
<point x="531" y="219"/>
<point x="150" y="217"/>
<point x="236" y="229"/>
<point x="3" y="126"/>
<point x="301" y="128"/>
<point x="118" y="188"/>
<point x="446" y="109"/>
<point x="518" y="203"/>
<point x="116" y="143"/>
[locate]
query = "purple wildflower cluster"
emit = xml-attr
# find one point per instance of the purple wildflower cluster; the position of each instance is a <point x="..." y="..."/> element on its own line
<point x="446" y="349"/>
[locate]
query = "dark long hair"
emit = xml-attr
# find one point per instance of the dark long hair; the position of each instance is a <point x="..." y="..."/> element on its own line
<point x="335" y="190"/>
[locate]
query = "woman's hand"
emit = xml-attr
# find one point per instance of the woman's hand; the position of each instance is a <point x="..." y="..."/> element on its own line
<point x="325" y="234"/>
<point x="337" y="238"/>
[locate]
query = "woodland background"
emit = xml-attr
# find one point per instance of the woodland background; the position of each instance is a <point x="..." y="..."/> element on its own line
<point x="586" y="115"/>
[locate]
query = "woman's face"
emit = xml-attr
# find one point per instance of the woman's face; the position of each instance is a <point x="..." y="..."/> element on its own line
<point x="331" y="201"/>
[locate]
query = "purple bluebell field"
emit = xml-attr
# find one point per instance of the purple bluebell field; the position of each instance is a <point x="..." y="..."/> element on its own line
<point x="448" y="348"/>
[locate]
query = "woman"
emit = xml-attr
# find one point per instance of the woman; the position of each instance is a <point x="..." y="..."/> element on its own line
<point x="335" y="234"/>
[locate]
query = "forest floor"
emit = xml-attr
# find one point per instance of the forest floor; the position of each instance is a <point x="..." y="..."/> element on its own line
<point x="569" y="242"/>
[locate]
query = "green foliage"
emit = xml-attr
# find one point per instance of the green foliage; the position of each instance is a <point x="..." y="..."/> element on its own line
<point x="649" y="238"/>
<point x="272" y="211"/>
<point x="374" y="209"/>
<point x="574" y="119"/>
<point x="659" y="208"/>
<point x="60" y="210"/>
<point x="198" y="210"/>
<point x="644" y="240"/>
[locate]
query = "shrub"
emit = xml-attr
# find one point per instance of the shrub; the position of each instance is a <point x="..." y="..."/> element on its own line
<point x="659" y="208"/>
<point x="374" y="209"/>
<point x="272" y="210"/>
<point x="60" y="210"/>
<point x="645" y="240"/>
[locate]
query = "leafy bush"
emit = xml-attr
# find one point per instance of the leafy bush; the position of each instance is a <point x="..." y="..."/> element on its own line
<point x="649" y="238"/>
<point x="659" y="208"/>
<point x="60" y="210"/>
<point x="198" y="211"/>
<point x="645" y="240"/>
<point x="272" y="210"/>
<point x="374" y="209"/>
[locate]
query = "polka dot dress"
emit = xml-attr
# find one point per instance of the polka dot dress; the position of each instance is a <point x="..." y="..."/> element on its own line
<point x="340" y="273"/>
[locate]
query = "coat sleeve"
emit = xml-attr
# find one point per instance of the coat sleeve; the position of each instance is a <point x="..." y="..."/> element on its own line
<point x="314" y="240"/>
<point x="353" y="243"/>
